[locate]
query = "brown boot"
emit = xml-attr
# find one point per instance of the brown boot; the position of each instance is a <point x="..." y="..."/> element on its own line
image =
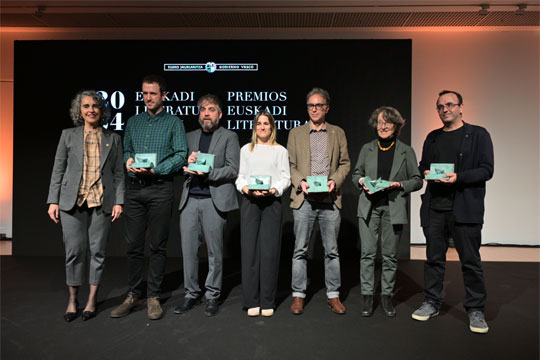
<point x="336" y="306"/>
<point x="155" y="311"/>
<point x="125" y="308"/>
<point x="297" y="306"/>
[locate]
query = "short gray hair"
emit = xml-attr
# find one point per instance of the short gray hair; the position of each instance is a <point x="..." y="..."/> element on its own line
<point x="75" y="110"/>
<point x="318" y="91"/>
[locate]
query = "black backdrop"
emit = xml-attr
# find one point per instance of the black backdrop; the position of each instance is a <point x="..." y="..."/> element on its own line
<point x="360" y="75"/>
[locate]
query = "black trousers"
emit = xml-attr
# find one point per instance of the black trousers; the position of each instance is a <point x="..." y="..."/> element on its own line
<point x="147" y="205"/>
<point x="261" y="246"/>
<point x="467" y="239"/>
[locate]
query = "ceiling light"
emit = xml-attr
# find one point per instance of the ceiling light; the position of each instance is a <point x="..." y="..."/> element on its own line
<point x="521" y="9"/>
<point x="484" y="11"/>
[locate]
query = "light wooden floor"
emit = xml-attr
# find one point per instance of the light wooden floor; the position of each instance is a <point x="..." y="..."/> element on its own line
<point x="488" y="253"/>
<point x="418" y="252"/>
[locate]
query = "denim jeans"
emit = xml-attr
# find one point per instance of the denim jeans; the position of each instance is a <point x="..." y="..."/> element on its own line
<point x="329" y="221"/>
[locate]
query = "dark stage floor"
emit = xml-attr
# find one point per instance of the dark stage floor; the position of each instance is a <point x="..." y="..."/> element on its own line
<point x="34" y="298"/>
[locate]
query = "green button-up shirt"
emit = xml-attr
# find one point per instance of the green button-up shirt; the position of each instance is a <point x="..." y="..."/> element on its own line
<point x="163" y="134"/>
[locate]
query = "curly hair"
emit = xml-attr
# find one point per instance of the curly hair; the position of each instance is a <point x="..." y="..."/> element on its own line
<point x="75" y="110"/>
<point x="390" y="115"/>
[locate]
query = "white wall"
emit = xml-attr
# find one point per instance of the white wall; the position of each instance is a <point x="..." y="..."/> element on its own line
<point x="498" y="75"/>
<point x="497" y="71"/>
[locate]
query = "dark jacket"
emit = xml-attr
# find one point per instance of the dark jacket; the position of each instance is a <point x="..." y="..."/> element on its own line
<point x="474" y="168"/>
<point x="403" y="170"/>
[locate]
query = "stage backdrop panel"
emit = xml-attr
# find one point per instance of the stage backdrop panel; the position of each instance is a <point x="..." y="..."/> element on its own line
<point x="360" y="76"/>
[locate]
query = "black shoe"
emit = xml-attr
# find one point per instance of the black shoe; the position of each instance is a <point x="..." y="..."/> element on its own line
<point x="367" y="305"/>
<point x="87" y="315"/>
<point x="388" y="308"/>
<point x="212" y="307"/>
<point x="70" y="316"/>
<point x="189" y="303"/>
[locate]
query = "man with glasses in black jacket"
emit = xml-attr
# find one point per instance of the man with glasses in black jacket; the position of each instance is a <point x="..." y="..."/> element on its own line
<point x="453" y="206"/>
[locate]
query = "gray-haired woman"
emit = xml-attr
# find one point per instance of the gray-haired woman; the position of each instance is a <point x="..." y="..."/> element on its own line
<point x="383" y="212"/>
<point x="86" y="194"/>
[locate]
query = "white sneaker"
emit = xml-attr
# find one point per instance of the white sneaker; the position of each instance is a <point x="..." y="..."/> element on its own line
<point x="253" y="311"/>
<point x="267" y="312"/>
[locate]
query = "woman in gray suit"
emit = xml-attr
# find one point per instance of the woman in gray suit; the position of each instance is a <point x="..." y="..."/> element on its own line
<point x="383" y="212"/>
<point x="86" y="194"/>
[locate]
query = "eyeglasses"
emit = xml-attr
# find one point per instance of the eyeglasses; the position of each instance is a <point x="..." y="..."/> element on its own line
<point x="447" y="105"/>
<point x="315" y="106"/>
<point x="384" y="123"/>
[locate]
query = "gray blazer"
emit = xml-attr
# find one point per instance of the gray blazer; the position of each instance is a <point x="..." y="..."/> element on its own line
<point x="68" y="169"/>
<point x="404" y="170"/>
<point x="221" y="178"/>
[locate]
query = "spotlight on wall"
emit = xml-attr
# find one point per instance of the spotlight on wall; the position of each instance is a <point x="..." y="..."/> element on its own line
<point x="484" y="11"/>
<point x="521" y="9"/>
<point x="40" y="11"/>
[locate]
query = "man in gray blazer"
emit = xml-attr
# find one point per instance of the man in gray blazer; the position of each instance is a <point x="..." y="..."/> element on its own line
<point x="206" y="199"/>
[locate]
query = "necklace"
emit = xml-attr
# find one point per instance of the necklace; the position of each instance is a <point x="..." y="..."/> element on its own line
<point x="385" y="148"/>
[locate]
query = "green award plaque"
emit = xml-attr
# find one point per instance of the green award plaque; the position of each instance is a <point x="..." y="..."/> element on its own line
<point x="437" y="171"/>
<point x="145" y="161"/>
<point x="259" y="182"/>
<point x="376" y="185"/>
<point x="317" y="184"/>
<point x="204" y="163"/>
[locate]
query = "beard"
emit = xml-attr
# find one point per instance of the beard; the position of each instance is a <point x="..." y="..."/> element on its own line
<point x="208" y="126"/>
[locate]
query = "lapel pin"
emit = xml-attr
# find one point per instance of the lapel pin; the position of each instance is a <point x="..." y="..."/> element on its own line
<point x="106" y="144"/>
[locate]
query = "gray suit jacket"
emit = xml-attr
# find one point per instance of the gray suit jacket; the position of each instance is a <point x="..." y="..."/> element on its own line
<point x="221" y="178"/>
<point x="68" y="169"/>
<point x="404" y="170"/>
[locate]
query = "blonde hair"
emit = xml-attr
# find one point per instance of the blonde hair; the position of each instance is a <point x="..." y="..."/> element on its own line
<point x="273" y="133"/>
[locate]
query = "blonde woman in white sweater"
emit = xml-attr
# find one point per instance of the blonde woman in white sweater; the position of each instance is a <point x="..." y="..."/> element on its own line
<point x="260" y="213"/>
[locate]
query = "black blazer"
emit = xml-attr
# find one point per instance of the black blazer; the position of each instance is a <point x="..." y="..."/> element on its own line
<point x="474" y="168"/>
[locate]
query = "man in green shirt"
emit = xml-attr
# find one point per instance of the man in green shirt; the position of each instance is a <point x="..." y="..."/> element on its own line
<point x="149" y="195"/>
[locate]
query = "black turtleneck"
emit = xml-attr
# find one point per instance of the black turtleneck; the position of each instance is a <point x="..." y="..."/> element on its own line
<point x="385" y="158"/>
<point x="199" y="187"/>
<point x="384" y="166"/>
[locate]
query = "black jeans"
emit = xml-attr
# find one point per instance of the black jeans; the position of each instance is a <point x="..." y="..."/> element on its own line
<point x="467" y="239"/>
<point x="147" y="205"/>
